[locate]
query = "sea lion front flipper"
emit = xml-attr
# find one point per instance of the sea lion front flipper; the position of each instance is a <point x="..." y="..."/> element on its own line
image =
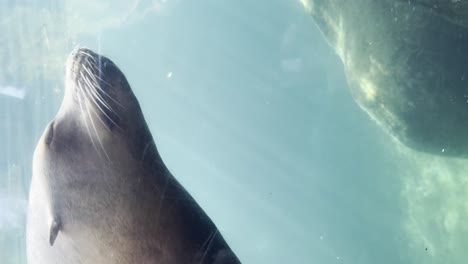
<point x="55" y="227"/>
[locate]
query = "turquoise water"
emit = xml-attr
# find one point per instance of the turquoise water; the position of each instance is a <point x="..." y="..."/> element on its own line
<point x="250" y="110"/>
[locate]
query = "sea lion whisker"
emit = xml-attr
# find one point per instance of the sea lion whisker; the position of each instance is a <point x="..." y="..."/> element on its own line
<point x="84" y="117"/>
<point x="90" y="87"/>
<point x="91" y="76"/>
<point x="106" y="115"/>
<point x="206" y="241"/>
<point x="92" y="64"/>
<point x="95" y="93"/>
<point x="98" y="87"/>
<point x="91" y="97"/>
<point x="92" y="91"/>
<point x="146" y="149"/>
<point x="110" y="97"/>
<point x="97" y="78"/>
<point x="97" y="104"/>
<point x="210" y="239"/>
<point x="88" y="55"/>
<point x="95" y="130"/>
<point x="161" y="200"/>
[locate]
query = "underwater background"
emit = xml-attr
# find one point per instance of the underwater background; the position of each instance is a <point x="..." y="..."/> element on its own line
<point x="250" y="110"/>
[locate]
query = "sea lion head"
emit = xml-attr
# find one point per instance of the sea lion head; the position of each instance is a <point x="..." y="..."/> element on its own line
<point x="100" y="104"/>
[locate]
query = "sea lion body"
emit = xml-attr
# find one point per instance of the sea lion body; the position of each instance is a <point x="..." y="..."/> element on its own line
<point x="405" y="66"/>
<point x="100" y="192"/>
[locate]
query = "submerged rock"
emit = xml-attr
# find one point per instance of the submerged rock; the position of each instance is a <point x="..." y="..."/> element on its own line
<point x="406" y="64"/>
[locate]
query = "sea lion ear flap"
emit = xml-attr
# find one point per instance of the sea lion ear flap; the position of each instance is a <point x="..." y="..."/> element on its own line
<point x="55" y="227"/>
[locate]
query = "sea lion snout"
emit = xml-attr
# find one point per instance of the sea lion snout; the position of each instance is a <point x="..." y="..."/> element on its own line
<point x="95" y="85"/>
<point x="83" y="62"/>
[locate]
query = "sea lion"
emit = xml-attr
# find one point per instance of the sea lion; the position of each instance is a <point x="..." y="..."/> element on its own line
<point x="405" y="65"/>
<point x="100" y="192"/>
